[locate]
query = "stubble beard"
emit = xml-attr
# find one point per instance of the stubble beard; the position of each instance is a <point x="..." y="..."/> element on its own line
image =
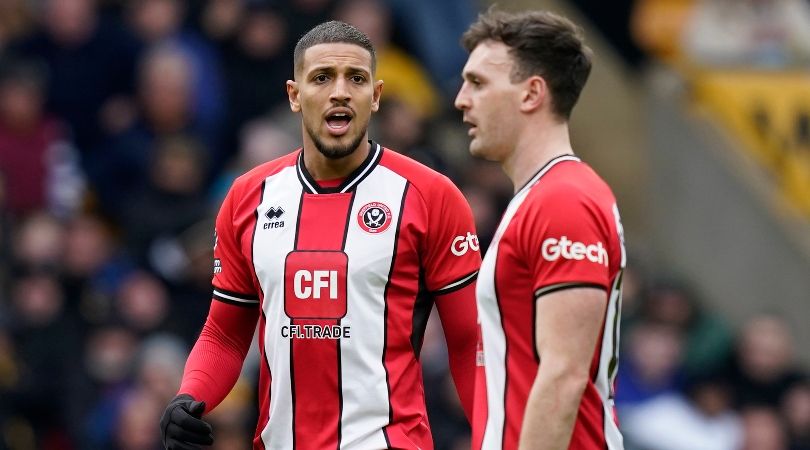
<point x="336" y="151"/>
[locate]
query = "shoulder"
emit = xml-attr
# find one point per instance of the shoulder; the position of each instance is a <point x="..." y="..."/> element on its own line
<point x="256" y="176"/>
<point x="568" y="184"/>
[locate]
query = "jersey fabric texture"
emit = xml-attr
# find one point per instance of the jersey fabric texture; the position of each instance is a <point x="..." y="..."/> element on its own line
<point x="342" y="280"/>
<point x="560" y="231"/>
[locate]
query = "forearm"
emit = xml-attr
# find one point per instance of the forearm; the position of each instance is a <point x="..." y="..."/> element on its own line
<point x="215" y="362"/>
<point x="551" y="412"/>
<point x="459" y="321"/>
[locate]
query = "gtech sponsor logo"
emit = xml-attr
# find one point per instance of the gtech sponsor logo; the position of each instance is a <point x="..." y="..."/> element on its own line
<point x="461" y="244"/>
<point x="554" y="249"/>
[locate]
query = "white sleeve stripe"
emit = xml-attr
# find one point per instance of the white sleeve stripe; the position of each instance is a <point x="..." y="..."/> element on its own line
<point x="569" y="285"/>
<point x="235" y="299"/>
<point x="461" y="281"/>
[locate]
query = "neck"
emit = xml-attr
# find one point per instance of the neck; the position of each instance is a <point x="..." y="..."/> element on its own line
<point x="534" y="148"/>
<point x="323" y="168"/>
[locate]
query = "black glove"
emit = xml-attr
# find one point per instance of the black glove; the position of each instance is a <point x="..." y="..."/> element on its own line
<point x="181" y="427"/>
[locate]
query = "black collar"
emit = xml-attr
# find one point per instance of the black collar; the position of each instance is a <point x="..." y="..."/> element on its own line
<point x="350" y="183"/>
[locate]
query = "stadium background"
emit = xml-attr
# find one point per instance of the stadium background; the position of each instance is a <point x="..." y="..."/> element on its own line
<point x="122" y="123"/>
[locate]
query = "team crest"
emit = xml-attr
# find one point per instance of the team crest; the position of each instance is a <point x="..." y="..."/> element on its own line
<point x="374" y="217"/>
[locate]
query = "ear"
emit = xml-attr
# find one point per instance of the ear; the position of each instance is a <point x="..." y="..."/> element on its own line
<point x="292" y="94"/>
<point x="375" y="99"/>
<point x="534" y="95"/>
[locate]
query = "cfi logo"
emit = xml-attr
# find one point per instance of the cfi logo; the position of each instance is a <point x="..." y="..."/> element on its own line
<point x="374" y="217"/>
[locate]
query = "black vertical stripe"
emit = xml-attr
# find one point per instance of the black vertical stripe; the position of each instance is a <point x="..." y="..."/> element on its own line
<point x="614" y="355"/>
<point x="292" y="356"/>
<point x="348" y="221"/>
<point x="385" y="308"/>
<point x="292" y="393"/>
<point x="269" y="384"/>
<point x="340" y="393"/>
<point x="534" y="331"/>
<point x="423" y="305"/>
<point x="604" y="425"/>
<point x="253" y="241"/>
<point x="259" y="287"/>
<point x="298" y="219"/>
<point x="340" y="341"/>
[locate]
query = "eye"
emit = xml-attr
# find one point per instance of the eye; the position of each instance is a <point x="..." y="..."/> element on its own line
<point x="358" y="79"/>
<point x="321" y="78"/>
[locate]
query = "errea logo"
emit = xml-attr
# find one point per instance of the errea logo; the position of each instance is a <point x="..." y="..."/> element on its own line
<point x="461" y="244"/>
<point x="554" y="249"/>
<point x="273" y="216"/>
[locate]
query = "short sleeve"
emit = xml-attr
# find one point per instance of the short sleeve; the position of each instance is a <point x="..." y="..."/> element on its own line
<point x="233" y="280"/>
<point x="567" y="240"/>
<point x="452" y="254"/>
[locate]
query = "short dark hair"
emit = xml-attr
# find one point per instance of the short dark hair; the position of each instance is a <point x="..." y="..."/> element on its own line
<point x="541" y="43"/>
<point x="332" y="32"/>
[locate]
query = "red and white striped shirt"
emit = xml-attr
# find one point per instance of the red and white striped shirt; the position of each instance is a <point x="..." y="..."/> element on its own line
<point x="342" y="281"/>
<point x="562" y="230"/>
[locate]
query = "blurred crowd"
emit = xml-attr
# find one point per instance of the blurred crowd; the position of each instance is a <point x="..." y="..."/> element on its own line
<point x="122" y="125"/>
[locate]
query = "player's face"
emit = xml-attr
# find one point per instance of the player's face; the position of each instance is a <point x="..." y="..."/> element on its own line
<point x="336" y="94"/>
<point x="490" y="101"/>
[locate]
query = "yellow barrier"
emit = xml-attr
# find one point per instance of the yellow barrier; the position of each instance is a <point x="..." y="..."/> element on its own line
<point x="770" y="112"/>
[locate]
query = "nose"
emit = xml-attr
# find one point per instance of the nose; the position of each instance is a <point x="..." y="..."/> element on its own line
<point x="462" y="101"/>
<point x="340" y="91"/>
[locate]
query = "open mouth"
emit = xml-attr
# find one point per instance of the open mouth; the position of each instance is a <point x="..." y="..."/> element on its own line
<point x="338" y="122"/>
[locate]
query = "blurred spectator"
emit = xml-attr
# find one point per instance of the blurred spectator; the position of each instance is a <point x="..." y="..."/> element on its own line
<point x="763" y="430"/>
<point x="38" y="242"/>
<point x="134" y="427"/>
<point x="796" y="411"/>
<point x="406" y="81"/>
<point x="121" y="169"/>
<point x="142" y="304"/>
<point x="157" y="22"/>
<point x="702" y="419"/>
<point x="92" y="269"/>
<point x="302" y="15"/>
<point x="90" y="60"/>
<point x="159" y="365"/>
<point x="39" y="165"/>
<point x="190" y="293"/>
<point x="257" y="66"/>
<point x="220" y="19"/>
<point x="431" y="30"/>
<point x="484" y="211"/>
<point x="109" y="358"/>
<point x="43" y="395"/>
<point x="756" y="33"/>
<point x="764" y="367"/>
<point x="176" y="184"/>
<point x="708" y="338"/>
<point x="260" y="141"/>
<point x="403" y="129"/>
<point x="651" y="364"/>
<point x="15" y="21"/>
<point x="232" y="419"/>
<point x="657" y="26"/>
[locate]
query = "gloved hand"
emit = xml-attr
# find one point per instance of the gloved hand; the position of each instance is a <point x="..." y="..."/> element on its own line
<point x="181" y="426"/>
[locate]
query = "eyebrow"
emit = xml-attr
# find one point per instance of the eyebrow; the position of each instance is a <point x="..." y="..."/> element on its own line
<point x="331" y="70"/>
<point x="468" y="74"/>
